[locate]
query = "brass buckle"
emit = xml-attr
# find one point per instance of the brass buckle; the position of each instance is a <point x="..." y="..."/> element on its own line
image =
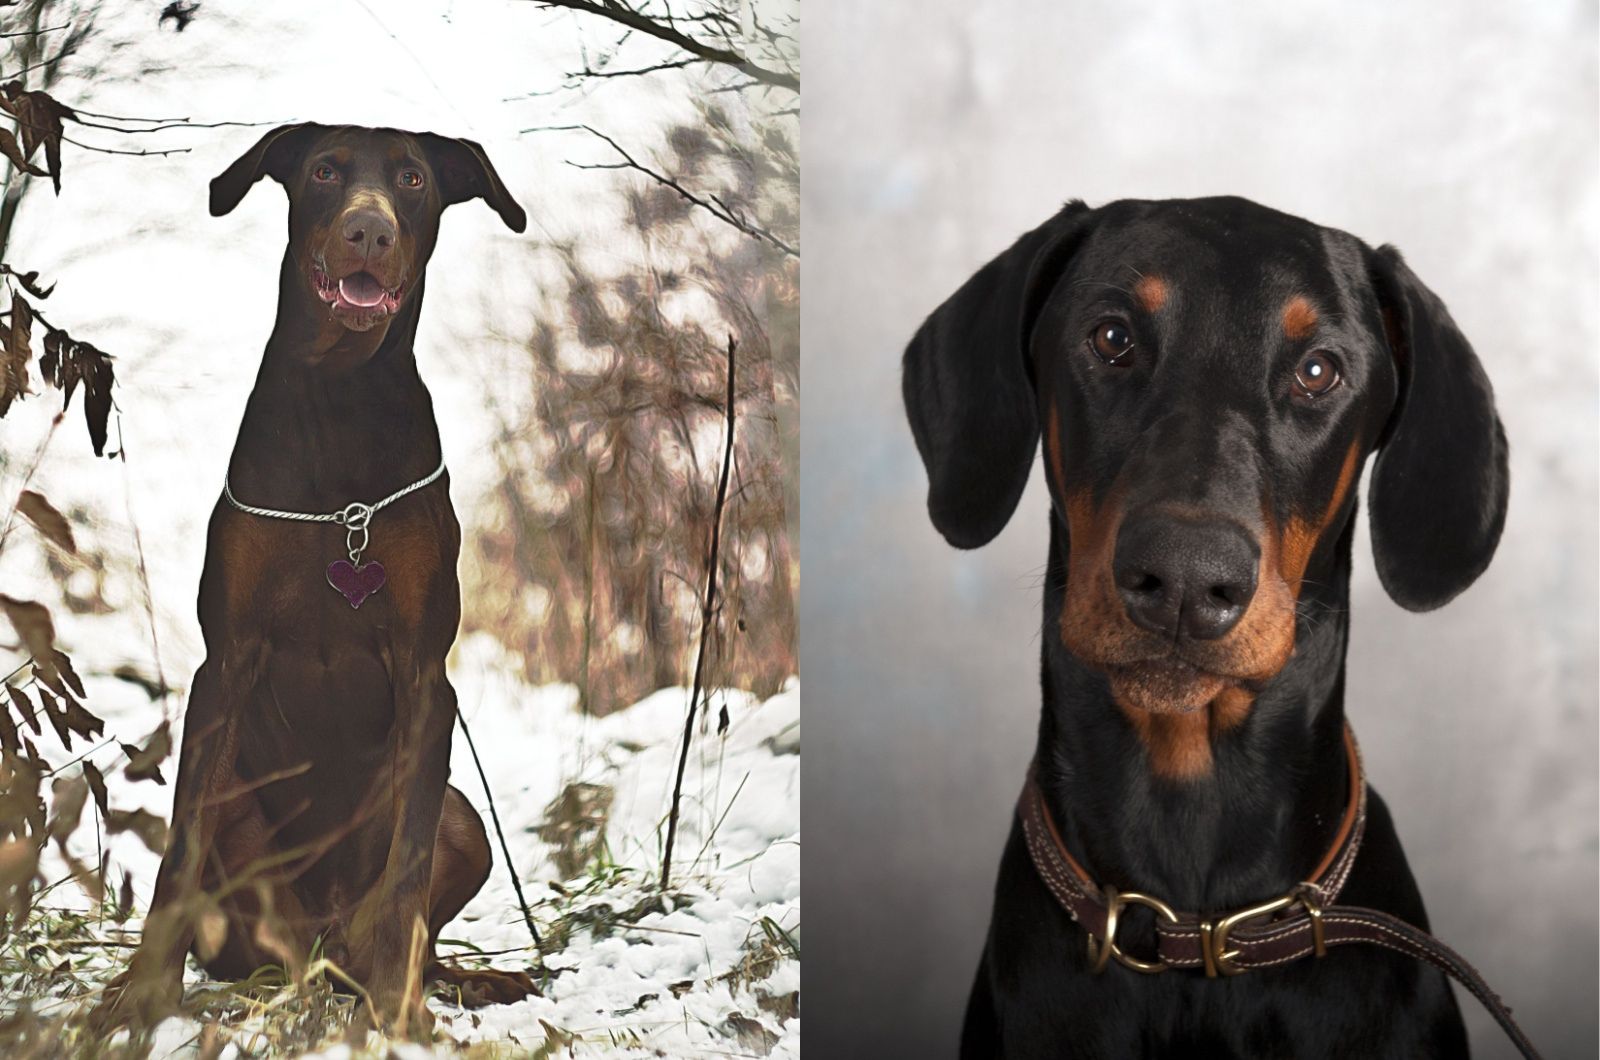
<point x="1102" y="950"/>
<point x="1214" y="937"/>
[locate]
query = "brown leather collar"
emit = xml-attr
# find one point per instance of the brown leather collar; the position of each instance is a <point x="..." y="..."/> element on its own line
<point x="1301" y="923"/>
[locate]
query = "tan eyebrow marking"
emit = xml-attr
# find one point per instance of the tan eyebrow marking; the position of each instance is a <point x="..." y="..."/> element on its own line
<point x="1151" y="291"/>
<point x="1299" y="317"/>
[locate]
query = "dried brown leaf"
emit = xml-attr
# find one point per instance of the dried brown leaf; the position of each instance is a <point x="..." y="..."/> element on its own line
<point x="78" y="717"/>
<point x="752" y="1036"/>
<point x="52" y="158"/>
<point x="67" y="796"/>
<point x="19" y="797"/>
<point x="38" y="510"/>
<point x="39" y="118"/>
<point x="13" y="152"/>
<point x="67" y="362"/>
<point x="19" y="860"/>
<point x="37" y="632"/>
<point x="64" y="666"/>
<point x="151" y="830"/>
<point x="53" y="366"/>
<point x="97" y="786"/>
<point x="54" y="671"/>
<point x="98" y="377"/>
<point x="14" y="354"/>
<point x="8" y="731"/>
<point x="56" y="714"/>
<point x="28" y="280"/>
<point x="91" y="881"/>
<point x="25" y="710"/>
<point x="145" y="764"/>
<point x="20" y="341"/>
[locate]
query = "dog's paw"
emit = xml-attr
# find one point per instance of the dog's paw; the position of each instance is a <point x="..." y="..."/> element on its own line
<point x="135" y="1002"/>
<point x="477" y="987"/>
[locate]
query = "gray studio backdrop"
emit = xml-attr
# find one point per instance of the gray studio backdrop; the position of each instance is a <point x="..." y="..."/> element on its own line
<point x="937" y="132"/>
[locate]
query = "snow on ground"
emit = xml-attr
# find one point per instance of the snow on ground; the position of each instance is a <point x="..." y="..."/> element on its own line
<point x="737" y="855"/>
<point x="663" y="983"/>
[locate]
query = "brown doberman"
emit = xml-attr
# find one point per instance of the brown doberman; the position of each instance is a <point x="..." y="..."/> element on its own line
<point x="312" y="805"/>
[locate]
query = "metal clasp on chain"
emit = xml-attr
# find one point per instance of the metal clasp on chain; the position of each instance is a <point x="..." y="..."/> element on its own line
<point x="354" y="517"/>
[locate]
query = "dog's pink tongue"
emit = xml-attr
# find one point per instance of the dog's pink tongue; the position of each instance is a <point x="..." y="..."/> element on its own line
<point x="361" y="289"/>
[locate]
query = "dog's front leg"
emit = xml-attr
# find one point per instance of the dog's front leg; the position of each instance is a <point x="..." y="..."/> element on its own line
<point x="390" y="928"/>
<point x="152" y="985"/>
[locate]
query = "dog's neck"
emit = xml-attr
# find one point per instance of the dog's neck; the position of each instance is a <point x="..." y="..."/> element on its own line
<point x="1246" y="828"/>
<point x="336" y="415"/>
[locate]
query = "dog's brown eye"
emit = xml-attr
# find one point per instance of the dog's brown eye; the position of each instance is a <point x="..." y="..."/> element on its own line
<point x="410" y="178"/>
<point x="1112" y="342"/>
<point x="1317" y="374"/>
<point x="324" y="173"/>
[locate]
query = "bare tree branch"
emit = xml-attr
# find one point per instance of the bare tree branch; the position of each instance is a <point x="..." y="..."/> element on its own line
<point x="115" y="151"/>
<point x="712" y="205"/>
<point x="707" y="610"/>
<point x="588" y="71"/>
<point x="32" y="32"/>
<point x="170" y="123"/>
<point x="494" y="814"/>
<point x="617" y="12"/>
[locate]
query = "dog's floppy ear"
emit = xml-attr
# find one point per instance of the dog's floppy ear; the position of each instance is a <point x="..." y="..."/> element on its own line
<point x="1439" y="487"/>
<point x="968" y="388"/>
<point x="465" y="172"/>
<point x="275" y="155"/>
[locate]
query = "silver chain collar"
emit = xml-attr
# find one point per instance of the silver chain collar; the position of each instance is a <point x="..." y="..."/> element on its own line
<point x="354" y="516"/>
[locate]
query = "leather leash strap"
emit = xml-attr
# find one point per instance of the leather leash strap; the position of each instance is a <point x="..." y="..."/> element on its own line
<point x="1299" y="924"/>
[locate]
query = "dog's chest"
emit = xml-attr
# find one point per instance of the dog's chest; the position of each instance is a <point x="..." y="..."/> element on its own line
<point x="295" y="582"/>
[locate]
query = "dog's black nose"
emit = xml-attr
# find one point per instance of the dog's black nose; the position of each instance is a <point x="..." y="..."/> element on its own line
<point x="1177" y="576"/>
<point x="370" y="232"/>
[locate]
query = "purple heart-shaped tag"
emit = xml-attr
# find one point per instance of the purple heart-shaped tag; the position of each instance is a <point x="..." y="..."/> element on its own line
<point x="356" y="583"/>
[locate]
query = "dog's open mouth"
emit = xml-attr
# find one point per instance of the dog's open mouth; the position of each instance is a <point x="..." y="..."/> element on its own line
<point x="360" y="293"/>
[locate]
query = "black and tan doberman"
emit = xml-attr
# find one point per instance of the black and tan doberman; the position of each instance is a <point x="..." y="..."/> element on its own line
<point x="1208" y="379"/>
<point x="312" y="809"/>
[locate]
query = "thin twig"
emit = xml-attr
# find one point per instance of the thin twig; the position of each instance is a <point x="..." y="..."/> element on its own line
<point x="635" y="71"/>
<point x="120" y="117"/>
<point x="713" y="205"/>
<point x="710" y="52"/>
<point x="115" y="151"/>
<point x="32" y="32"/>
<point x="144" y="569"/>
<point x="494" y="815"/>
<point x="707" y="611"/>
<point x="177" y="123"/>
<point x="72" y="762"/>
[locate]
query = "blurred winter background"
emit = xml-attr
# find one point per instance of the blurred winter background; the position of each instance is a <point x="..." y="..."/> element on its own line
<point x="935" y="134"/>
<point x="578" y="374"/>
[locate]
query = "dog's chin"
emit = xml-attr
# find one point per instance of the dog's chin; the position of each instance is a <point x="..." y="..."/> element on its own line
<point x="358" y="320"/>
<point x="1164" y="686"/>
